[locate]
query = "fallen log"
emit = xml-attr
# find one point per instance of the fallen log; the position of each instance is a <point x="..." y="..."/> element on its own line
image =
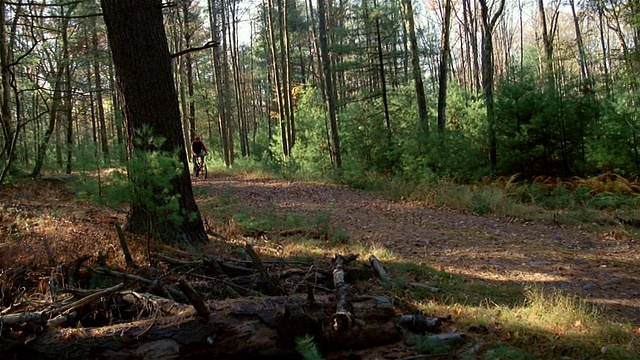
<point x="238" y="328"/>
<point x="343" y="318"/>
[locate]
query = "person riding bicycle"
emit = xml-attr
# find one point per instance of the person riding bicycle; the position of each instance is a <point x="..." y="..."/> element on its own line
<point x="198" y="149"/>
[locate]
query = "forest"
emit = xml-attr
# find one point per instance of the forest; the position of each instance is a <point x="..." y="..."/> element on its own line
<point x="458" y="89"/>
<point x="496" y="141"/>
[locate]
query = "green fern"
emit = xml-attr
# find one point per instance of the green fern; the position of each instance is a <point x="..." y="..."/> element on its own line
<point x="307" y="348"/>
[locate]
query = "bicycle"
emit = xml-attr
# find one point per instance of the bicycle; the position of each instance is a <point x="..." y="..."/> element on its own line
<point x="201" y="165"/>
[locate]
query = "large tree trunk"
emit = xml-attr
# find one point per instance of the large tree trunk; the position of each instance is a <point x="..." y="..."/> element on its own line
<point x="149" y="99"/>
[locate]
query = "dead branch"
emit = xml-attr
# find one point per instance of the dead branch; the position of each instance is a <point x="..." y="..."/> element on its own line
<point x="208" y="45"/>
<point x="86" y="300"/>
<point x="194" y="298"/>
<point x="125" y="248"/>
<point x="271" y="284"/>
<point x="425" y="287"/>
<point x="145" y="300"/>
<point x="343" y="318"/>
<point x="377" y="266"/>
<point x="105" y="271"/>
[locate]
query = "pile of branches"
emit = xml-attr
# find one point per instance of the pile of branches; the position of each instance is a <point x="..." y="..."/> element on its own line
<point x="192" y="307"/>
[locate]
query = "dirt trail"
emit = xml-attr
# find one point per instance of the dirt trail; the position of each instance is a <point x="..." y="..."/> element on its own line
<point x="604" y="268"/>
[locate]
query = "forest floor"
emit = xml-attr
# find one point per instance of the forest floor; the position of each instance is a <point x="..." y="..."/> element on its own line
<point x="43" y="223"/>
<point x="603" y="267"/>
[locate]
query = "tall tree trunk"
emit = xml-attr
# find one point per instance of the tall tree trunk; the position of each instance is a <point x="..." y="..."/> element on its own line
<point x="238" y="73"/>
<point x="219" y="63"/>
<point x="548" y="33"/>
<point x="56" y="100"/>
<point x="9" y="130"/>
<point x="327" y="77"/>
<point x="188" y="63"/>
<point x="604" y="47"/>
<point x="416" y="69"/>
<point x="277" y="78"/>
<point x="286" y="46"/>
<point x="383" y="80"/>
<point x="68" y="111"/>
<point x="472" y="30"/>
<point x="582" y="56"/>
<point x="104" y="140"/>
<point x="488" y="24"/>
<point x="444" y="66"/>
<point x="142" y="61"/>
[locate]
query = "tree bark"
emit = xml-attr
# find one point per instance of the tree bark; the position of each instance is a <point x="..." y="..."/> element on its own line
<point x="142" y="62"/>
<point x="444" y="66"/>
<point x="416" y="69"/>
<point x="488" y="24"/>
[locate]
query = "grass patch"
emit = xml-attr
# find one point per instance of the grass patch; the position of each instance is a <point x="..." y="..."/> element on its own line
<point x="562" y="205"/>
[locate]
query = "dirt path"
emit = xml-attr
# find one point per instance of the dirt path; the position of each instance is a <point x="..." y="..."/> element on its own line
<point x="604" y="268"/>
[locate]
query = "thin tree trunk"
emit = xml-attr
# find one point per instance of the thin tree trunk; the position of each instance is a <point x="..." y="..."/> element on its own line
<point x="56" y="103"/>
<point x="488" y="24"/>
<point x="334" y="140"/>
<point x="218" y="55"/>
<point x="444" y="66"/>
<point x="291" y="136"/>
<point x="383" y="81"/>
<point x="104" y="140"/>
<point x="416" y="69"/>
<point x="277" y="80"/>
<point x="582" y="57"/>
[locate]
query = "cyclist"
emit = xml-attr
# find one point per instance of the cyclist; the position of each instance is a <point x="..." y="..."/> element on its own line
<point x="198" y="149"/>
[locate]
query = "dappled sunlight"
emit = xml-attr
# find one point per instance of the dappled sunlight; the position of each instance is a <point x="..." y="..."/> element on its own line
<point x="486" y="248"/>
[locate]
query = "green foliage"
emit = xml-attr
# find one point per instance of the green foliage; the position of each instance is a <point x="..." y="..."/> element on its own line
<point x="148" y="182"/>
<point x="310" y="153"/>
<point x="306" y="346"/>
<point x="543" y="130"/>
<point x="612" y="201"/>
<point x="339" y="236"/>
<point x="428" y="345"/>
<point x="507" y="352"/>
<point x="614" y="146"/>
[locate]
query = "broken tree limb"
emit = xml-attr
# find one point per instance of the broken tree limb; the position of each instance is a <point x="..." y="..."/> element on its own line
<point x="176" y="294"/>
<point x="379" y="269"/>
<point x="272" y="286"/>
<point x="343" y="318"/>
<point x="125" y="248"/>
<point x="194" y="298"/>
<point x="238" y="328"/>
<point x="425" y="287"/>
<point x="86" y="300"/>
<point x="156" y="303"/>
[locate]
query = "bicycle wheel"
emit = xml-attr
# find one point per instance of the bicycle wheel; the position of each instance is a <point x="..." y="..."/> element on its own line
<point x="203" y="169"/>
